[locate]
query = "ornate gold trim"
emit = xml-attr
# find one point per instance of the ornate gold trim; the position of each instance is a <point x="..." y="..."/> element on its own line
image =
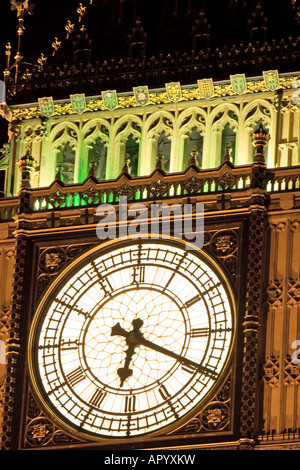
<point x="155" y="98"/>
<point x="76" y="264"/>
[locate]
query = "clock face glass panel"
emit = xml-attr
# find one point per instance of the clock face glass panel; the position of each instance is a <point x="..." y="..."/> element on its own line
<point x="133" y="339"/>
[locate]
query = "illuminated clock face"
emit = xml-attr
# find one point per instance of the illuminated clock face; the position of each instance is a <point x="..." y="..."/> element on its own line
<point x="132" y="339"/>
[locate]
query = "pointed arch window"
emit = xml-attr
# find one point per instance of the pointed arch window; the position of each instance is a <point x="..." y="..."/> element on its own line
<point x="225" y="130"/>
<point x="164" y="149"/>
<point x="159" y="132"/>
<point x="98" y="155"/>
<point x="195" y="140"/>
<point x="126" y="138"/>
<point x="66" y="158"/>
<point x="95" y="144"/>
<point x="132" y="155"/>
<point x="228" y="139"/>
<point x="61" y="149"/>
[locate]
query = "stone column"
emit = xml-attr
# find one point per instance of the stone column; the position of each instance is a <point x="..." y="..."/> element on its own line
<point x="254" y="307"/>
<point x="17" y="320"/>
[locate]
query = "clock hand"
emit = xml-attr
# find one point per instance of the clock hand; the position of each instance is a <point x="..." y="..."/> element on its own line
<point x="131" y="341"/>
<point x="135" y="338"/>
<point x="182" y="359"/>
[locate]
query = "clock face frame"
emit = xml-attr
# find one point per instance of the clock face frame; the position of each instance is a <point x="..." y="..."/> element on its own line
<point x="131" y="339"/>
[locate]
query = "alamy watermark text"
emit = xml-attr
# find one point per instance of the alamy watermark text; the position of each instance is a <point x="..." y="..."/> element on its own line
<point x="181" y="221"/>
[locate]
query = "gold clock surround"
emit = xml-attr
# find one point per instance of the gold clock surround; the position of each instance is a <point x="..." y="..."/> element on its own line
<point x="163" y="388"/>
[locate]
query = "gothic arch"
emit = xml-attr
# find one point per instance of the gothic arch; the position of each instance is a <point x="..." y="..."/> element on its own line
<point x="158" y="137"/>
<point x="190" y="120"/>
<point x="125" y="128"/>
<point x="95" y="140"/>
<point x="223" y="116"/>
<point x="251" y="114"/>
<point x="63" y="137"/>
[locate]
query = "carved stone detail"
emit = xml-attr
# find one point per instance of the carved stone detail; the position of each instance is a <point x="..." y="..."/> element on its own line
<point x="214" y="417"/>
<point x="291" y="372"/>
<point x="271" y="371"/>
<point x="4" y="322"/>
<point x="251" y="322"/>
<point x="13" y="347"/>
<point x="52" y="261"/>
<point x="41" y="431"/>
<point x="223" y="244"/>
<point x="293" y="293"/>
<point x="274" y="293"/>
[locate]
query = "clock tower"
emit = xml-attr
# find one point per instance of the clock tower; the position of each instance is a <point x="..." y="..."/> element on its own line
<point x="149" y="228"/>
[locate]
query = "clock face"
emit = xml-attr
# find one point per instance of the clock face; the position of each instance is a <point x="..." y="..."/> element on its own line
<point x="132" y="339"/>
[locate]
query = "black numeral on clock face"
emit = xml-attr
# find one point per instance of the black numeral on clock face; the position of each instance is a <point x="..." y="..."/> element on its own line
<point x="199" y="332"/>
<point x="97" y="397"/>
<point x="138" y="275"/>
<point x="193" y="301"/>
<point x="164" y="392"/>
<point x="189" y="368"/>
<point x="75" y="377"/>
<point x="129" y="404"/>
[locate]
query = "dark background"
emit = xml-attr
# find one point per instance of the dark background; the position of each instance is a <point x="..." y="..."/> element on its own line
<point x="168" y="24"/>
<point x="166" y="30"/>
<point x="48" y="20"/>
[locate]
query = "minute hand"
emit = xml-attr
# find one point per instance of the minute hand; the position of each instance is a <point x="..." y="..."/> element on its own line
<point x="182" y="359"/>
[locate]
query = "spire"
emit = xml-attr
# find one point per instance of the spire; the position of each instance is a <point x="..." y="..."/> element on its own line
<point x="59" y="169"/>
<point x="126" y="168"/>
<point x="257" y="25"/>
<point x="27" y="165"/>
<point x="159" y="161"/>
<point x="260" y="139"/>
<point x="137" y="40"/>
<point x="22" y="7"/>
<point x="193" y="159"/>
<point x="228" y="152"/>
<point x="92" y="167"/>
<point x="201" y="33"/>
<point x="77" y="39"/>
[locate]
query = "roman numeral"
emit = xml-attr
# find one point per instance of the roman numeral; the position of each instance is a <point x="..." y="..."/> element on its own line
<point x="189" y="368"/>
<point x="69" y="345"/>
<point x="199" y="332"/>
<point x="164" y="392"/>
<point x="98" y="397"/>
<point x="75" y="377"/>
<point x="104" y="282"/>
<point x="138" y="275"/>
<point x="74" y="308"/>
<point x="193" y="301"/>
<point x="129" y="404"/>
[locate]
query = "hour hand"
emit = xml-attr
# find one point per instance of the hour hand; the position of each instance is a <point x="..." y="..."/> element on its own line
<point x="117" y="330"/>
<point x="125" y="372"/>
<point x="132" y="340"/>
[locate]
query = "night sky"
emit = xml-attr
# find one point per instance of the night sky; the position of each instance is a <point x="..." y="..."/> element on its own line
<point x="50" y="17"/>
<point x="48" y="21"/>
